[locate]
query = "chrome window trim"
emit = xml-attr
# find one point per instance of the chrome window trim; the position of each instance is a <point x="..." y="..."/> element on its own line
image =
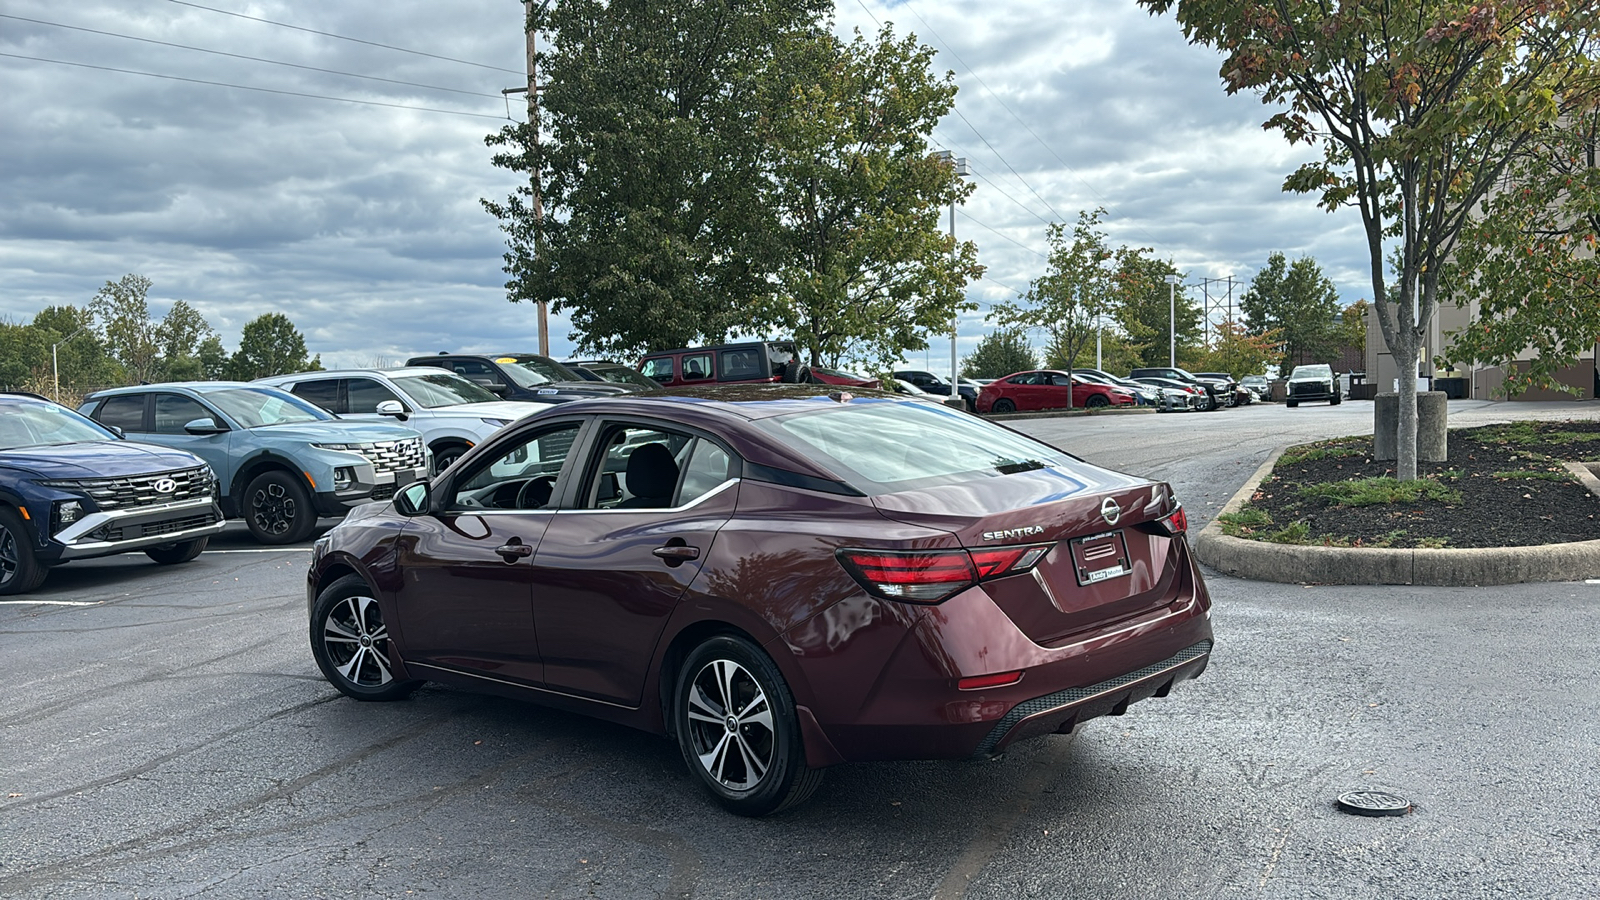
<point x="687" y="506"/>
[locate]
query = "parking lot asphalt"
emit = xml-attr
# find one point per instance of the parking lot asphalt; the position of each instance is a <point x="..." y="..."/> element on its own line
<point x="165" y="734"/>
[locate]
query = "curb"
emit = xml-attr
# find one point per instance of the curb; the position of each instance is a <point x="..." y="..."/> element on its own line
<point x="1465" y="567"/>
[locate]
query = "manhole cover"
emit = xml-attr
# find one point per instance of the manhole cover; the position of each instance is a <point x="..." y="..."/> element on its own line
<point x="1373" y="803"/>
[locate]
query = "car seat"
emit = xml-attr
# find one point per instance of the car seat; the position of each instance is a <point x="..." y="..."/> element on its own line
<point x="651" y="478"/>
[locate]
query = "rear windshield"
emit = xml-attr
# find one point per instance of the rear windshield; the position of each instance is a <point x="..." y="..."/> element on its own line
<point x="887" y="446"/>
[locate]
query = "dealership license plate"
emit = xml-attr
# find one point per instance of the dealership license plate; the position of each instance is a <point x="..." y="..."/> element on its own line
<point x="1100" y="556"/>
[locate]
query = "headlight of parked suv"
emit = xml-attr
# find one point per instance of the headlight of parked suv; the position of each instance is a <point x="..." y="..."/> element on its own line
<point x="348" y="448"/>
<point x="498" y="423"/>
<point x="64" y="513"/>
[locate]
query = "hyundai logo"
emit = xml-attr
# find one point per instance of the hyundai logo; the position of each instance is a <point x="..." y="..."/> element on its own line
<point x="1110" y="511"/>
<point x="165" y="485"/>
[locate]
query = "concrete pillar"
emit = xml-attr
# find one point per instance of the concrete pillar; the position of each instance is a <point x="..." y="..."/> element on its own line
<point x="1431" y="426"/>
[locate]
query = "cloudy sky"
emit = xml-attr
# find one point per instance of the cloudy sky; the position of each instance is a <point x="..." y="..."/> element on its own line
<point x="361" y="221"/>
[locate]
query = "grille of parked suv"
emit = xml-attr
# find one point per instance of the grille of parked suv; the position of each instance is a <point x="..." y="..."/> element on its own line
<point x="1308" y="387"/>
<point x="392" y="456"/>
<point x="151" y="529"/>
<point x="136" y="491"/>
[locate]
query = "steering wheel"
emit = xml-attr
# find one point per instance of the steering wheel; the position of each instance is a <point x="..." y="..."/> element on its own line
<point x="535" y="492"/>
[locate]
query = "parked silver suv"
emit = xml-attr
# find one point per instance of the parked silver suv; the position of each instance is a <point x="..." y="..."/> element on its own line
<point x="452" y="413"/>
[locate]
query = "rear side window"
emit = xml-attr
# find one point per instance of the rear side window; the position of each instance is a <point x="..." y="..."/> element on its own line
<point x="740" y="365"/>
<point x="658" y="367"/>
<point x="323" y="392"/>
<point x="125" y="411"/>
<point x="697" y="367"/>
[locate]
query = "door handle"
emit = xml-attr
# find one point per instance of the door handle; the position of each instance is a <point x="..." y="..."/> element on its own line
<point x="514" y="550"/>
<point x="677" y="553"/>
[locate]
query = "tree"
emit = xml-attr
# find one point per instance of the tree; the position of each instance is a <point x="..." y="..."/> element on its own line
<point x="180" y="334"/>
<point x="1299" y="303"/>
<point x="270" y="345"/>
<point x="1418" y="107"/>
<point x="654" y="234"/>
<point x="1352" y="328"/>
<point x="80" y="354"/>
<point x="1149" y="308"/>
<point x="213" y="359"/>
<point x="122" y="311"/>
<point x="1529" y="260"/>
<point x="865" y="270"/>
<point x="1000" y="353"/>
<point x="1239" y="352"/>
<point x="1079" y="286"/>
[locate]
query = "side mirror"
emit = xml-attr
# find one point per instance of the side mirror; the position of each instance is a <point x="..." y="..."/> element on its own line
<point x="204" y="426"/>
<point x="497" y="389"/>
<point x="116" y="430"/>
<point x="392" y="408"/>
<point x="413" y="499"/>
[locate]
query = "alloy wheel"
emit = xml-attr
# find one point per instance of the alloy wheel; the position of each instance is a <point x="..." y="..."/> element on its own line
<point x="730" y="724"/>
<point x="357" y="642"/>
<point x="273" y="509"/>
<point x="9" y="558"/>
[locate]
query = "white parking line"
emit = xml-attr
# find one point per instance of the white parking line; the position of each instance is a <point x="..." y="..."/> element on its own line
<point x="51" y="602"/>
<point x="265" y="550"/>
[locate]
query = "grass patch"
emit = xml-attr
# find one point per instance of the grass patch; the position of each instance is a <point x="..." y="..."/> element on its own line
<point x="1337" y="448"/>
<point x="1528" y="433"/>
<point x="1526" y="474"/>
<point x="1432" y="543"/>
<point x="1244" y="522"/>
<point x="1297" y="533"/>
<point x="1379" y="491"/>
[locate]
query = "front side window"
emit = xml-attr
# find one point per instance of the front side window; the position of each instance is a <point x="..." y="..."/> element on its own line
<point x="364" y="394"/>
<point x="173" y="411"/>
<point x="523" y="477"/>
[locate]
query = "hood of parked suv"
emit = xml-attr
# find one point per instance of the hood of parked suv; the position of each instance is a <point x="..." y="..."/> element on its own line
<point x="510" y="410"/>
<point x="97" y="459"/>
<point x="343" y="431"/>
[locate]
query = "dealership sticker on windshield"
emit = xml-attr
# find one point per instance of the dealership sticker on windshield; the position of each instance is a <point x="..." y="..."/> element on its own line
<point x="1100" y="556"/>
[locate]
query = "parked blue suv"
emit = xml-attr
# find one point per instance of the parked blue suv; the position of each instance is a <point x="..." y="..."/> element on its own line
<point x="281" y="462"/>
<point x="70" y="489"/>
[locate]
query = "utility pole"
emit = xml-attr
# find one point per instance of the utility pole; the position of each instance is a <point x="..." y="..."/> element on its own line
<point x="532" y="90"/>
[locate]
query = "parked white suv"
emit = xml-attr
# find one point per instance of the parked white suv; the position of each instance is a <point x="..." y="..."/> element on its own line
<point x="452" y="413"/>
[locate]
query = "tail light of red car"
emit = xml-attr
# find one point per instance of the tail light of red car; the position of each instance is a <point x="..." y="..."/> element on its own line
<point x="1173" y="523"/>
<point x="932" y="576"/>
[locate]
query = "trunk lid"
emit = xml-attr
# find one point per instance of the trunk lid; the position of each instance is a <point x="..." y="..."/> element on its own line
<point x="1107" y="559"/>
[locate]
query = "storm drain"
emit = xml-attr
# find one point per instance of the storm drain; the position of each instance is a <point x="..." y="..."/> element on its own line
<point x="1373" y="803"/>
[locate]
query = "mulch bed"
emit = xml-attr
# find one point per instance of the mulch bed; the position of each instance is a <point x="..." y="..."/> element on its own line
<point x="1502" y="486"/>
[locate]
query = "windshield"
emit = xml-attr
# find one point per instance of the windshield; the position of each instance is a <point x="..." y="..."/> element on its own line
<point x="438" y="389"/>
<point x="1312" y="372"/>
<point x="253" y="407"/>
<point x="625" y="375"/>
<point x="532" y="371"/>
<point x="886" y="446"/>
<point x="32" y="423"/>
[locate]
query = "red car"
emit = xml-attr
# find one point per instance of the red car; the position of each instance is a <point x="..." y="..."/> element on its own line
<point x="846" y="379"/>
<point x="779" y="578"/>
<point x="1047" y="389"/>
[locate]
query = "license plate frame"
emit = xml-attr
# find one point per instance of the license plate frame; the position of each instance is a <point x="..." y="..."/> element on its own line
<point x="1100" y="557"/>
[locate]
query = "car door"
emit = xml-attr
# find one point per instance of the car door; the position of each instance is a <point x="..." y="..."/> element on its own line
<point x="466" y="602"/>
<point x="614" y="565"/>
<point x="1029" y="390"/>
<point x="171" y="412"/>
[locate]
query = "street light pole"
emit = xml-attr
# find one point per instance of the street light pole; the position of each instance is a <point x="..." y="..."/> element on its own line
<point x="959" y="163"/>
<point x="1172" y="321"/>
<point x="55" y="367"/>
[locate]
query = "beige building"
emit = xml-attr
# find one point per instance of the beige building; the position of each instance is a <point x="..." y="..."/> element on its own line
<point x="1480" y="383"/>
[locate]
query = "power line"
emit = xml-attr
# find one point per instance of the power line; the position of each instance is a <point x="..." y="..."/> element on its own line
<point x="990" y="183"/>
<point x="999" y="234"/>
<point x="465" y="62"/>
<point x="1006" y="286"/>
<point x="1008" y="165"/>
<point x="274" y="62"/>
<point x="246" y="87"/>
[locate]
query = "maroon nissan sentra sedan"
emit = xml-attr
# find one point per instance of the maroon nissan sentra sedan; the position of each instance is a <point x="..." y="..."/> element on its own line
<point x="778" y="577"/>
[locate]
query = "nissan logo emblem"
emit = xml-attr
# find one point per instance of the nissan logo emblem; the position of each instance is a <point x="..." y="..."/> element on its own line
<point x="165" y="485"/>
<point x="1110" y="511"/>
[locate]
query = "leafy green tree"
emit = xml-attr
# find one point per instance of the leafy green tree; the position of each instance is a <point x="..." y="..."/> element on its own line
<point x="213" y="359"/>
<point x="865" y="270"/>
<point x="1529" y="261"/>
<point x="998" y="354"/>
<point x="1239" y="352"/>
<point x="80" y="354"/>
<point x="1299" y="303"/>
<point x="1079" y="287"/>
<point x="24" y="352"/>
<point x="1149" y="309"/>
<point x="650" y="169"/>
<point x="1419" y="109"/>
<point x="270" y="345"/>
<point x="122" y="311"/>
<point x="1352" y="328"/>
<point x="180" y="334"/>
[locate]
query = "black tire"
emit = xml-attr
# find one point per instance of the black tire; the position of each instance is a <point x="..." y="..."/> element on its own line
<point x="445" y="456"/>
<point x="277" y="509"/>
<point x="1218" y="403"/>
<point x="1291" y="403"/>
<point x="1003" y="406"/>
<point x="179" y="552"/>
<point x="1336" y="400"/>
<point x="730" y="695"/>
<point x="20" y="569"/>
<point x="794" y="373"/>
<point x="1096" y="401"/>
<point x="351" y="645"/>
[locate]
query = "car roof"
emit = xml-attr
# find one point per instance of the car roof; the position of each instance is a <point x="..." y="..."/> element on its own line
<point x="738" y="345"/>
<point x="193" y="386"/>
<point x="325" y="373"/>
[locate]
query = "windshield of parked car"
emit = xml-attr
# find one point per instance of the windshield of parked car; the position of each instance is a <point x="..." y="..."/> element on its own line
<point x="32" y="423"/>
<point x="1311" y="372"/>
<point x="532" y="371"/>
<point x="883" y="446"/>
<point x="441" y="389"/>
<point x="254" y="407"/>
<point x="619" y="374"/>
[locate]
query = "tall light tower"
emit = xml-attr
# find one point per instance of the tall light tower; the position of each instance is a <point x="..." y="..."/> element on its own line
<point x="1172" y="320"/>
<point x="962" y="170"/>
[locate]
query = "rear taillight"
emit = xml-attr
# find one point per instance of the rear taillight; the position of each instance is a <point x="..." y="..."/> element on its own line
<point x="1174" y="523"/>
<point x="932" y="576"/>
